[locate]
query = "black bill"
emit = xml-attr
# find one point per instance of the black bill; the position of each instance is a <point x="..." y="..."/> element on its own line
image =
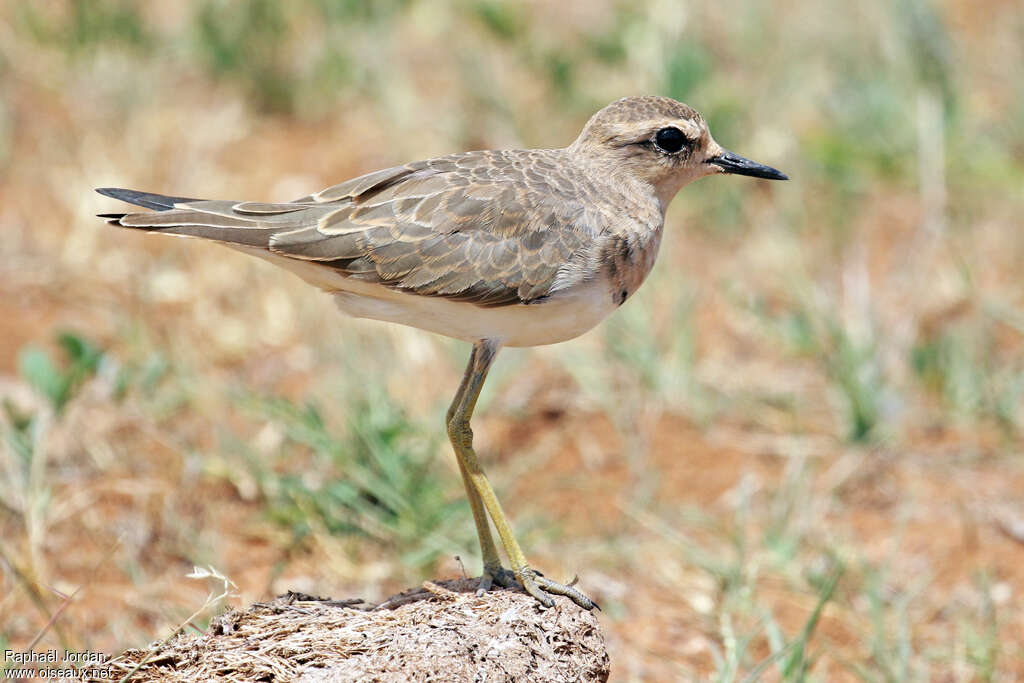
<point x="734" y="163"/>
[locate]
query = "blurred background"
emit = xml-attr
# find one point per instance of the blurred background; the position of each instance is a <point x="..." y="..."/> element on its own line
<point x="795" y="452"/>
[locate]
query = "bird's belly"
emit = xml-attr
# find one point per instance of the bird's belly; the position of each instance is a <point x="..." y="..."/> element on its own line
<point x="567" y="314"/>
<point x="554" y="320"/>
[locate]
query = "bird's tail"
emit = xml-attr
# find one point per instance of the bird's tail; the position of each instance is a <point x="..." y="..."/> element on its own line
<point x="244" y="223"/>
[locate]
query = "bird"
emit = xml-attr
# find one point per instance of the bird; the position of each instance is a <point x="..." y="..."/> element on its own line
<point x="497" y="248"/>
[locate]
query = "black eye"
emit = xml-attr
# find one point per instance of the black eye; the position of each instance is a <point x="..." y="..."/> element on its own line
<point x="670" y="139"/>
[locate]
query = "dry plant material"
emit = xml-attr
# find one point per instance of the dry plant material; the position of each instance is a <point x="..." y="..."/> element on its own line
<point x="443" y="631"/>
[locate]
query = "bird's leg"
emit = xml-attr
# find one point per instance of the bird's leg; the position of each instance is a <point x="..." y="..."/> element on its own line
<point x="479" y="487"/>
<point x="493" y="571"/>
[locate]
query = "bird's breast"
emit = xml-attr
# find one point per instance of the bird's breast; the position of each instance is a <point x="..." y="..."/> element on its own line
<point x="627" y="258"/>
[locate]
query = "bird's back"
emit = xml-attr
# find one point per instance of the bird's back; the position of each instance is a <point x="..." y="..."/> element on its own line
<point x="488" y="228"/>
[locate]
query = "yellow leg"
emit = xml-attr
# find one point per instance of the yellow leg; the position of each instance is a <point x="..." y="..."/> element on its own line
<point x="479" y="490"/>
<point x="493" y="571"/>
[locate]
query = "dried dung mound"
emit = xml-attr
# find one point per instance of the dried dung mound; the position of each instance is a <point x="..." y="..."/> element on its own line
<point x="440" y="632"/>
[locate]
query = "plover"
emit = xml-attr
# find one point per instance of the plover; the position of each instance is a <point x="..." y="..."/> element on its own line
<point x="496" y="248"/>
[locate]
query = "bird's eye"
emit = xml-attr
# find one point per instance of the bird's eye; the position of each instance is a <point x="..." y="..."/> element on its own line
<point x="670" y="139"/>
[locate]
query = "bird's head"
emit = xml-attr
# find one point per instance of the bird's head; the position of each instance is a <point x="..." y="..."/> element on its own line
<point x="663" y="142"/>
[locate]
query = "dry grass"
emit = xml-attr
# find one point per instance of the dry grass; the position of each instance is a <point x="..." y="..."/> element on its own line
<point x="440" y="632"/>
<point x="796" y="454"/>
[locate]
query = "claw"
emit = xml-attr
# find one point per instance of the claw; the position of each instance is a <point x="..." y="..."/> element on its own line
<point x="539" y="586"/>
<point x="568" y="591"/>
<point x="534" y="583"/>
<point x="495" y="575"/>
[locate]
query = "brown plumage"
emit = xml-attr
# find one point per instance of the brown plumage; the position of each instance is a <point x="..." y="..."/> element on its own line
<point x="499" y="248"/>
<point x="489" y="228"/>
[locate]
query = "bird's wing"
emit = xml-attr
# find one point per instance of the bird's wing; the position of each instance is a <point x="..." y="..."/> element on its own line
<point x="490" y="228"/>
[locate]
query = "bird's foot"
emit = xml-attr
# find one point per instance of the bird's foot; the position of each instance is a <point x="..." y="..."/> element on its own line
<point x="535" y="583"/>
<point x="541" y="587"/>
<point x="495" y="575"/>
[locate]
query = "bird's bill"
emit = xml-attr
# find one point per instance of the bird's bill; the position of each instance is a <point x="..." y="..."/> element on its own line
<point x="734" y="163"/>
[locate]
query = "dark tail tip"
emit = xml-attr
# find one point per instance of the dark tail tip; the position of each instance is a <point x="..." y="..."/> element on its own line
<point x="150" y="200"/>
<point x="112" y="218"/>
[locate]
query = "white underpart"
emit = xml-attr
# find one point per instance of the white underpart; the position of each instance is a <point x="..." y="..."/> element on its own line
<point x="565" y="315"/>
